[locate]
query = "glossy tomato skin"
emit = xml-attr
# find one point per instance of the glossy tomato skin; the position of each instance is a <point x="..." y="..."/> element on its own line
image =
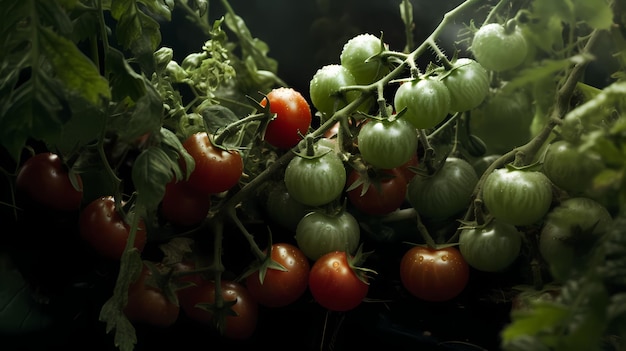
<point x="379" y="199"/>
<point x="499" y="49"/>
<point x="283" y="209"/>
<point x="356" y="55"/>
<point x="216" y="170"/>
<point x="319" y="233"/>
<point x="147" y="304"/>
<point x="44" y="179"/>
<point x="281" y="288"/>
<point x="434" y="274"/>
<point x="387" y="143"/>
<point x="427" y="102"/>
<point x="445" y="193"/>
<point x="240" y="326"/>
<point x="568" y="232"/>
<point x="468" y="84"/>
<point x="184" y="206"/>
<point x="315" y="181"/>
<point x="334" y="284"/>
<point x="324" y="89"/>
<point x="104" y="229"/>
<point x="518" y="197"/>
<point x="492" y="247"/>
<point x="293" y="117"/>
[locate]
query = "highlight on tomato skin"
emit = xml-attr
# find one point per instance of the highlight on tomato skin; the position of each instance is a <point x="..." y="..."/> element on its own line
<point x="292" y="117"/>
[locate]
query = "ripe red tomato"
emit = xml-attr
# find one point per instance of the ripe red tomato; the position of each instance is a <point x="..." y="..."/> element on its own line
<point x="45" y="180"/>
<point x="148" y="304"/>
<point x="293" y="117"/>
<point x="239" y="326"/>
<point x="216" y="170"/>
<point x="102" y="226"/>
<point x="434" y="274"/>
<point x="184" y="206"/>
<point x="334" y="284"/>
<point x="281" y="288"/>
<point x="385" y="193"/>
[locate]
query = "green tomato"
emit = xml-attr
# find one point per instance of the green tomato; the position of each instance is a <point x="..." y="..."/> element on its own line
<point x="387" y="143"/>
<point x="570" y="169"/>
<point x="317" y="180"/>
<point x="516" y="196"/>
<point x="468" y="84"/>
<point x="319" y="233"/>
<point x="445" y="193"/>
<point x="427" y="102"/>
<point x="492" y="247"/>
<point x="499" y="48"/>
<point x="357" y="56"/>
<point x="568" y="233"/>
<point x="325" y="85"/>
<point x="503" y="121"/>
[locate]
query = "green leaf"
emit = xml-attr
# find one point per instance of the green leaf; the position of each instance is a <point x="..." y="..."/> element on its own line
<point x="73" y="68"/>
<point x="543" y="69"/>
<point x="152" y="170"/>
<point x="169" y="139"/>
<point x="123" y="79"/>
<point x="159" y="7"/>
<point x="596" y="13"/>
<point x="542" y="317"/>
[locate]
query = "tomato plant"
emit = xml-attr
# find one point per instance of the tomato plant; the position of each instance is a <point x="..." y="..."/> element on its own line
<point x="387" y="143"/>
<point x="106" y="230"/>
<point x="199" y="304"/>
<point x="499" y="47"/>
<point x="434" y="274"/>
<point x="216" y="169"/>
<point x="358" y="56"/>
<point x="335" y="283"/>
<point x="44" y="179"/>
<point x="468" y="84"/>
<point x="444" y="193"/>
<point x="278" y="287"/>
<point x="491" y="247"/>
<point x="377" y="194"/>
<point x="570" y="169"/>
<point x="568" y="232"/>
<point x="315" y="180"/>
<point x="282" y="208"/>
<point x="149" y="304"/>
<point x="427" y="102"/>
<point x="320" y="232"/>
<point x="292" y="120"/>
<point x="182" y="205"/>
<point x="517" y="196"/>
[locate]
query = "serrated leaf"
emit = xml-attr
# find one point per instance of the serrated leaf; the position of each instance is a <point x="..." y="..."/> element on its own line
<point x="175" y="250"/>
<point x="152" y="170"/>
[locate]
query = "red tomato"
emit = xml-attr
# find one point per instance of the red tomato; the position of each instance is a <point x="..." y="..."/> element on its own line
<point x="385" y="193"/>
<point x="216" y="170"/>
<point x="45" y="180"/>
<point x="334" y="284"/>
<point x="102" y="226"/>
<point x="293" y="117"/>
<point x="239" y="326"/>
<point x="183" y="205"/>
<point x="281" y="288"/>
<point x="148" y="304"/>
<point x="434" y="274"/>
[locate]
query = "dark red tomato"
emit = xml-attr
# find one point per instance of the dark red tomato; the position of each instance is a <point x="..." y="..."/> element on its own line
<point x="281" y="288"/>
<point x="385" y="193"/>
<point x="334" y="284"/>
<point x="293" y="117"/>
<point x="182" y="205"/>
<point x="239" y="326"/>
<point x="434" y="274"/>
<point x="102" y="226"/>
<point x="148" y="304"/>
<point x="216" y="170"/>
<point x="45" y="180"/>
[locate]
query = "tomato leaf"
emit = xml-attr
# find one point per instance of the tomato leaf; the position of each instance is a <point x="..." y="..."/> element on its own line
<point x="152" y="170"/>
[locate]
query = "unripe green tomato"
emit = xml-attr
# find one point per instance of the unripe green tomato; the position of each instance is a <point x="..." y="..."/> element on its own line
<point x="498" y="48"/>
<point x="570" y="169"/>
<point x="427" y="102"/>
<point x="325" y="85"/>
<point x="468" y="84"/>
<point x="355" y="55"/>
